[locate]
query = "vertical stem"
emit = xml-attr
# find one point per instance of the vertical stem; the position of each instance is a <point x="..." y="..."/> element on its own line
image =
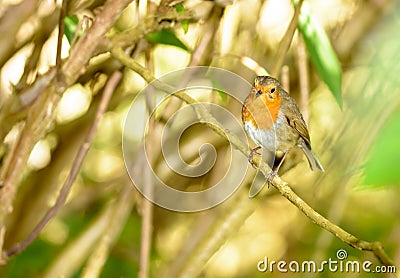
<point x="63" y="12"/>
<point x="287" y="40"/>
<point x="147" y="206"/>
<point x="147" y="229"/>
<point x="285" y="78"/>
<point x="303" y="78"/>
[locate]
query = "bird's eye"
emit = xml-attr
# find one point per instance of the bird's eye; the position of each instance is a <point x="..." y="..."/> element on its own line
<point x="259" y="92"/>
<point x="272" y="90"/>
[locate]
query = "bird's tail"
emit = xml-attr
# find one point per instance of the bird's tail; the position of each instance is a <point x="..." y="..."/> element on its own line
<point x="312" y="159"/>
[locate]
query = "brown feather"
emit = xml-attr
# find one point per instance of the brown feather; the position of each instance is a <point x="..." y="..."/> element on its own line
<point x="294" y="116"/>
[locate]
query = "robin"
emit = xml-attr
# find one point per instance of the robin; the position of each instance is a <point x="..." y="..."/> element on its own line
<point x="273" y="121"/>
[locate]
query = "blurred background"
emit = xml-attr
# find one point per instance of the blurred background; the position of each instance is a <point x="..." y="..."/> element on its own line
<point x="107" y="229"/>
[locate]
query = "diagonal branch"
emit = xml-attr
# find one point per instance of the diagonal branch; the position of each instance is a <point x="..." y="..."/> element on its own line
<point x="287" y="40"/>
<point x="42" y="112"/>
<point x="109" y="89"/>
<point x="283" y="187"/>
<point x="63" y="13"/>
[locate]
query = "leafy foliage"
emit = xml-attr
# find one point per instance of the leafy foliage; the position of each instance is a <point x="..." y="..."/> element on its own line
<point x="180" y="9"/>
<point x="321" y="53"/>
<point x="167" y="37"/>
<point x="381" y="168"/>
<point x="71" y="24"/>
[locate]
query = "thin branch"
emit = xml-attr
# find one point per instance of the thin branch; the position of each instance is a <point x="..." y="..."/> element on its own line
<point x="42" y="112"/>
<point x="376" y="247"/>
<point x="202" y="53"/>
<point x="246" y="61"/>
<point x="120" y="213"/>
<point x="303" y="78"/>
<point x="147" y="208"/>
<point x="70" y="259"/>
<point x="11" y="21"/>
<point x="287" y="40"/>
<point x="83" y="24"/>
<point x="228" y="223"/>
<point x="2" y="234"/>
<point x="108" y="91"/>
<point x="285" y="78"/>
<point x="47" y="25"/>
<point x="93" y="39"/>
<point x="61" y="26"/>
<point x="127" y="61"/>
<point x="283" y="187"/>
<point x="147" y="229"/>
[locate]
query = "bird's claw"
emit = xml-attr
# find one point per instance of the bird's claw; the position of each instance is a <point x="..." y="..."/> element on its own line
<point x="270" y="177"/>
<point x="254" y="152"/>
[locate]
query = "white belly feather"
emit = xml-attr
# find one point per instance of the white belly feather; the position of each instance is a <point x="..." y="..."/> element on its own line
<point x="267" y="139"/>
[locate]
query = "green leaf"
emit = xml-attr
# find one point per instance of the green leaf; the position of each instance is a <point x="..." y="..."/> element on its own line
<point x="185" y="25"/>
<point x="219" y="89"/>
<point x="70" y="26"/>
<point x="180" y="9"/>
<point x="223" y="96"/>
<point x="167" y="37"/>
<point x="382" y="166"/>
<point x="321" y="52"/>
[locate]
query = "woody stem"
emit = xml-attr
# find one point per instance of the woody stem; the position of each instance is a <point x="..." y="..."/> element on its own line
<point x="376" y="247"/>
<point x="281" y="162"/>
<point x="287" y="40"/>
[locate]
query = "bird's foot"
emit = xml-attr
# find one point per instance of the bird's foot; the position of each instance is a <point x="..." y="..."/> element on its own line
<point x="270" y="177"/>
<point x="254" y="152"/>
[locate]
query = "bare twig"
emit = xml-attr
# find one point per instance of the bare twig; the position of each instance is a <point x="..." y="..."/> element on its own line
<point x="358" y="27"/>
<point x="303" y="78"/>
<point x="201" y="54"/>
<point x="283" y="188"/>
<point x="375" y="247"/>
<point x="2" y="233"/>
<point x="246" y="61"/>
<point x="41" y="114"/>
<point x="225" y="225"/>
<point x="287" y="39"/>
<point x="147" y="206"/>
<point x="109" y="89"/>
<point x="285" y="78"/>
<point x="120" y="55"/>
<point x="147" y="229"/>
<point x="88" y="44"/>
<point x="119" y="215"/>
<point x="82" y="24"/>
<point x="39" y="39"/>
<point x="71" y="258"/>
<point x="11" y="22"/>
<point x="61" y="26"/>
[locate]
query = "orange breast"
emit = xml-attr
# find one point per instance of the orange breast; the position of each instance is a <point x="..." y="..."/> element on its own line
<point x="273" y="107"/>
<point x="261" y="111"/>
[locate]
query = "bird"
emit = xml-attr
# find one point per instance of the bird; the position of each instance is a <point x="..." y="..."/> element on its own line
<point x="273" y="121"/>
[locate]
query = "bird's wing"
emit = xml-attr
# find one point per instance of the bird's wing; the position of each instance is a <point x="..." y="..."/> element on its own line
<point x="295" y="118"/>
<point x="301" y="128"/>
<point x="297" y="122"/>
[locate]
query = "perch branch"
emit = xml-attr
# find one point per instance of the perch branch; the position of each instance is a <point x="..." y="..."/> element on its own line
<point x="283" y="187"/>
